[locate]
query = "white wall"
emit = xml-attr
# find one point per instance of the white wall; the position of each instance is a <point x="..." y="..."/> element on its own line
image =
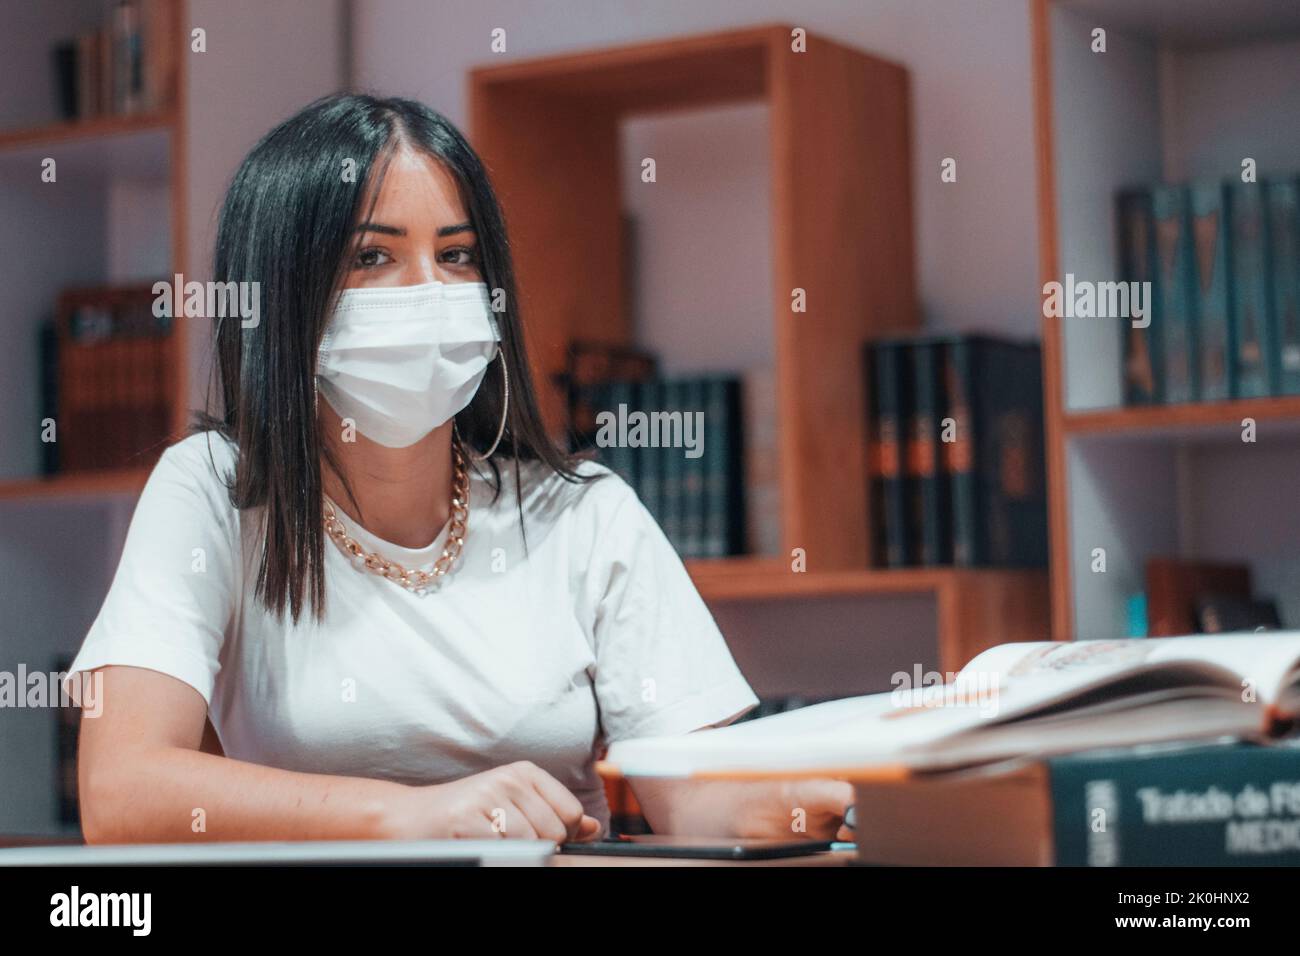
<point x="1213" y="103"/>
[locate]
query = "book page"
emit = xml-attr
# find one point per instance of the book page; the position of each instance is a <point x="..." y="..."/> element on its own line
<point x="1262" y="663"/>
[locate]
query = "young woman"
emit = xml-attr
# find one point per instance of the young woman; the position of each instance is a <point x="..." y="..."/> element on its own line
<point x="404" y="611"/>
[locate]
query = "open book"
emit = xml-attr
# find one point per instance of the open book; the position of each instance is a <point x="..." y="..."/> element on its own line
<point x="1021" y="700"/>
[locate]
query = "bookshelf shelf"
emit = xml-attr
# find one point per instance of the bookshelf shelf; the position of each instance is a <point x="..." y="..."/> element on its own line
<point x="126" y="481"/>
<point x="977" y="607"/>
<point x="87" y="129"/>
<point x="1189" y="420"/>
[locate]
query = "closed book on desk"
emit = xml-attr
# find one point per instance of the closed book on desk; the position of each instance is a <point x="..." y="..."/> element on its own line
<point x="1215" y="805"/>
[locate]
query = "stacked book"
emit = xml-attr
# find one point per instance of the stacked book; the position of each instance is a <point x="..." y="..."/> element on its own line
<point x="108" y="377"/>
<point x="678" y="443"/>
<point x="1096" y="753"/>
<point x="1223" y="260"/>
<point x="956" y="470"/>
<point x="126" y="66"/>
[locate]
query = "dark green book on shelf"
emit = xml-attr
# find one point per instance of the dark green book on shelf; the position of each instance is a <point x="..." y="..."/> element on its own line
<point x="997" y="465"/>
<point x="1175" y="293"/>
<point x="1143" y="367"/>
<point x="1252" y="308"/>
<point x="647" y="395"/>
<point x="929" y="505"/>
<point x="1284" y="252"/>
<point x="672" y="463"/>
<point x="696" y="426"/>
<point x="724" y="511"/>
<point x="1212" y="287"/>
<point x="892" y="390"/>
<point x="619" y="457"/>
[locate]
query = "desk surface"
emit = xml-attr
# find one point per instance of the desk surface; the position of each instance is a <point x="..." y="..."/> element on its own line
<point x="63" y="851"/>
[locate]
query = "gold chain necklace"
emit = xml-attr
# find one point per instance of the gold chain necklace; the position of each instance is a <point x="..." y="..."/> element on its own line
<point x="414" y="579"/>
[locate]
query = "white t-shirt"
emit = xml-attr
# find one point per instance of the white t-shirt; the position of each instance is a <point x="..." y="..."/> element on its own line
<point x="591" y="635"/>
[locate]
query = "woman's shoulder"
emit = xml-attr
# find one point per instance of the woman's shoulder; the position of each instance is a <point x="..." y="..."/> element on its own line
<point x="203" y="453"/>
<point x="592" y="489"/>
<point x="198" y="468"/>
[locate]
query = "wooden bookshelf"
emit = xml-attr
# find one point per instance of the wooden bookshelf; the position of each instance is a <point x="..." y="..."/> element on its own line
<point x="1096" y="448"/>
<point x="92" y="152"/>
<point x="548" y="130"/>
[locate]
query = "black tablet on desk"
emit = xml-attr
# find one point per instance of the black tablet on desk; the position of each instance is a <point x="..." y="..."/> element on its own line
<point x="698" y="848"/>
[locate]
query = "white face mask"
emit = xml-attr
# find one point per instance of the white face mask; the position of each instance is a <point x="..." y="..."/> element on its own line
<point x="402" y="361"/>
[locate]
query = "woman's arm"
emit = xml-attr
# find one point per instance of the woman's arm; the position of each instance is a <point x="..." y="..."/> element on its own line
<point x="789" y="809"/>
<point x="144" y="778"/>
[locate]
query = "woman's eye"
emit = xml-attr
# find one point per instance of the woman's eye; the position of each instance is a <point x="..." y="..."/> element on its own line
<point x="461" y="256"/>
<point x="369" y="258"/>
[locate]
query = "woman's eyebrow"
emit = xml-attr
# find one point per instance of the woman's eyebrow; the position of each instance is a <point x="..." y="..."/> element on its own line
<point x="452" y="230"/>
<point x="380" y="227"/>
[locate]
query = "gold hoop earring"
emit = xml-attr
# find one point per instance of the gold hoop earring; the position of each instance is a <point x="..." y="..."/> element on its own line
<point x="505" y="411"/>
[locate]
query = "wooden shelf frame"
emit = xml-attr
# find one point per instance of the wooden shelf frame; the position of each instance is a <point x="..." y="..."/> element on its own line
<point x="548" y="132"/>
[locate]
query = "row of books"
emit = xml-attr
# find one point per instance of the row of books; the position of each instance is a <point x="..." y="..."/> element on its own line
<point x="107" y="381"/>
<point x="1223" y="260"/>
<point x="956" y="466"/>
<point x="126" y="66"/>
<point x="679" y="443"/>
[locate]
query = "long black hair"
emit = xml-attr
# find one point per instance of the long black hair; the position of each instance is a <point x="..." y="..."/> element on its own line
<point x="287" y="223"/>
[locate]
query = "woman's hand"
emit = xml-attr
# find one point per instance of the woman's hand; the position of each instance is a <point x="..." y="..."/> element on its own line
<point x="518" y="801"/>
<point x="806" y="808"/>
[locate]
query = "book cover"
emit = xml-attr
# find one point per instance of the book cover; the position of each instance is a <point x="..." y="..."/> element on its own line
<point x="1141" y="346"/>
<point x="671" y="461"/>
<point x="929" y="505"/>
<point x="1252" y="307"/>
<point x="996" y="466"/>
<point x="762" y="479"/>
<point x="701" y="427"/>
<point x="1175" y="295"/>
<point x="959" y="455"/>
<point x="893" y="393"/>
<point x="1284" y="253"/>
<point x="1207" y="806"/>
<point x="646" y="396"/>
<point x="1214" y="342"/>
